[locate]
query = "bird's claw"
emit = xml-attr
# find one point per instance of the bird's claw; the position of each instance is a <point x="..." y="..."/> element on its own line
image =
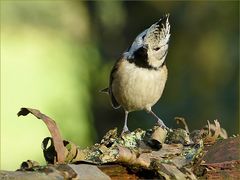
<point x="125" y="130"/>
<point x="162" y="125"/>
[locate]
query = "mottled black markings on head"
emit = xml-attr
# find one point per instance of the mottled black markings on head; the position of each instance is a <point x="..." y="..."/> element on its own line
<point x="140" y="59"/>
<point x="141" y="54"/>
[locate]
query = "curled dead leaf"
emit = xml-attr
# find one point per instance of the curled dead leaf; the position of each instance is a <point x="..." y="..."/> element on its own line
<point x="53" y="129"/>
<point x="29" y="164"/>
<point x="182" y="120"/>
<point x="214" y="132"/>
<point x="155" y="137"/>
<point x="126" y="155"/>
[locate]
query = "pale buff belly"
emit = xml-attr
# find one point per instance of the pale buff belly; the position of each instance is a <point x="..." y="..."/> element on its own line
<point x="138" y="88"/>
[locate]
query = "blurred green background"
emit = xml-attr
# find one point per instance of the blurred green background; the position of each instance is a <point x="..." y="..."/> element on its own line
<point x="57" y="55"/>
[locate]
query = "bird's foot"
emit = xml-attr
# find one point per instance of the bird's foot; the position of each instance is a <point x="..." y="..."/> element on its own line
<point x="161" y="124"/>
<point x="125" y="130"/>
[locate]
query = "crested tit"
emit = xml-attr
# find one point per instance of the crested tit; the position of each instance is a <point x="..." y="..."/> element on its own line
<point x="138" y="78"/>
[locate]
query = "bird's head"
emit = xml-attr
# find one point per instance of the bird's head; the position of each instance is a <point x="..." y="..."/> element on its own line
<point x="152" y="44"/>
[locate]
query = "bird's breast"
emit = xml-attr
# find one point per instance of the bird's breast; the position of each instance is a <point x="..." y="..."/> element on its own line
<point x="137" y="88"/>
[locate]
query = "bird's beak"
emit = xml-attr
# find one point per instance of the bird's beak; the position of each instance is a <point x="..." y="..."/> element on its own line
<point x="145" y="46"/>
<point x="141" y="51"/>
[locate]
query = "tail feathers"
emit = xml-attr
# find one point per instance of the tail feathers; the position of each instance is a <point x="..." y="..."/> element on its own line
<point x="106" y="90"/>
<point x="114" y="102"/>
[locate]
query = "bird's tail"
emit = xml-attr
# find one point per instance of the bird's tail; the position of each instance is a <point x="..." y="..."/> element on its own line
<point x="106" y="90"/>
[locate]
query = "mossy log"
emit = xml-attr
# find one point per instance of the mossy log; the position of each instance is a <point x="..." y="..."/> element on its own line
<point x="222" y="161"/>
<point x="156" y="153"/>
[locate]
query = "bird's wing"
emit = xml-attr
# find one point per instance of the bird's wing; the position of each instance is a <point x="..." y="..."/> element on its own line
<point x="114" y="102"/>
<point x="105" y="90"/>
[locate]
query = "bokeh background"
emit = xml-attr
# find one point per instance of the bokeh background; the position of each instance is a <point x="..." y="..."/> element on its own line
<point x="57" y="55"/>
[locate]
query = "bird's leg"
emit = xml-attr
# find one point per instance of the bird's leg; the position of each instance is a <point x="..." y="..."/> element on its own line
<point x="125" y="128"/>
<point x="159" y="121"/>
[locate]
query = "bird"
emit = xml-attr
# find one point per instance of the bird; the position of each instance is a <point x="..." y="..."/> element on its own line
<point x="138" y="77"/>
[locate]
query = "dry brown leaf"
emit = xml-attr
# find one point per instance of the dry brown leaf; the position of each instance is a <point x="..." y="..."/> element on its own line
<point x="53" y="129"/>
<point x="29" y="164"/>
<point x="214" y="131"/>
<point x="126" y="155"/>
<point x="182" y="120"/>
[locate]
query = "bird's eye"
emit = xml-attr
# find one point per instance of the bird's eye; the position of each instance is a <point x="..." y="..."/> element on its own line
<point x="143" y="36"/>
<point x="156" y="49"/>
